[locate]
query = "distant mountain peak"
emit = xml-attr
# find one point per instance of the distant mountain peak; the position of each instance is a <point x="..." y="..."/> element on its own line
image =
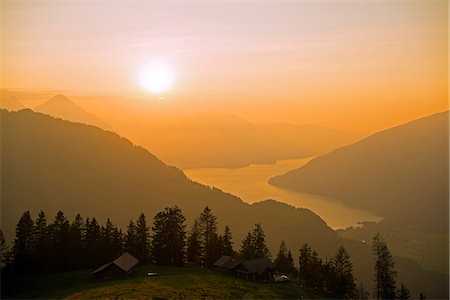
<point x="60" y="97"/>
<point x="11" y="103"/>
<point x="62" y="107"/>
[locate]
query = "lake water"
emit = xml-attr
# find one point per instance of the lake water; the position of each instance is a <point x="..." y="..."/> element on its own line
<point x="251" y="185"/>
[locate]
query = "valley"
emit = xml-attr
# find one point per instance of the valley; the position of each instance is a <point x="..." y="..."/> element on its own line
<point x="251" y="185"/>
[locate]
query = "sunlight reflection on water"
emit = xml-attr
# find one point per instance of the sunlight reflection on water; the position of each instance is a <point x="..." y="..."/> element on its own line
<point x="251" y="185"/>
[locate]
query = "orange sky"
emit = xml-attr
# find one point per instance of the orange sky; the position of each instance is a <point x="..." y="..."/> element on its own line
<point x="360" y="66"/>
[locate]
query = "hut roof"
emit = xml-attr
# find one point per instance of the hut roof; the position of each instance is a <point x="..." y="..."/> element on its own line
<point x="227" y="262"/>
<point x="125" y="262"/>
<point x="258" y="265"/>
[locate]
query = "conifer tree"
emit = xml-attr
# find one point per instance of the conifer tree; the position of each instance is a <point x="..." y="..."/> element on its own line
<point x="142" y="247"/>
<point x="384" y="269"/>
<point x="309" y="266"/>
<point x="117" y="242"/>
<point x="59" y="242"/>
<point x="254" y="244"/>
<point x="345" y="285"/>
<point x="107" y="249"/>
<point x="130" y="239"/>
<point x="227" y="242"/>
<point x="76" y="236"/>
<point x="259" y="242"/>
<point x="209" y="239"/>
<point x="247" y="250"/>
<point x="94" y="256"/>
<point x="23" y="244"/>
<point x="169" y="237"/>
<point x="41" y="242"/>
<point x="194" y="247"/>
<point x="284" y="262"/>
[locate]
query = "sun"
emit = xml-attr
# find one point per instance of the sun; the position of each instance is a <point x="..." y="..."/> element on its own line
<point x="156" y="77"/>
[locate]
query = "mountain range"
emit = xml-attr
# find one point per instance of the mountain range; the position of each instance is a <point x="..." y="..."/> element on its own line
<point x="212" y="140"/>
<point x="400" y="173"/>
<point x="53" y="164"/>
<point x="209" y="139"/>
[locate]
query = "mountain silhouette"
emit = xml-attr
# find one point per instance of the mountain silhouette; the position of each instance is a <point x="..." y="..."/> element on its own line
<point x="11" y="103"/>
<point x="62" y="107"/>
<point x="401" y="173"/>
<point x="52" y="164"/>
<point x="212" y="140"/>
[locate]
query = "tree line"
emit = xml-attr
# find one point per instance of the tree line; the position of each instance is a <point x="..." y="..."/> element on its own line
<point x="62" y="246"/>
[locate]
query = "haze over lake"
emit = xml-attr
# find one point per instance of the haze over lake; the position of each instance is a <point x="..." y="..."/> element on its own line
<point x="251" y="185"/>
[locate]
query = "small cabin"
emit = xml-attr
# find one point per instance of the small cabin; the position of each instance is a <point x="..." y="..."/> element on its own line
<point x="260" y="269"/>
<point x="118" y="267"/>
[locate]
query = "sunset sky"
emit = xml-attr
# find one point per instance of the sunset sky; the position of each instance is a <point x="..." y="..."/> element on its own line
<point x="353" y="65"/>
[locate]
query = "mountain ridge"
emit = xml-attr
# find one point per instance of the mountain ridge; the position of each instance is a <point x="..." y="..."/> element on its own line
<point x="395" y="171"/>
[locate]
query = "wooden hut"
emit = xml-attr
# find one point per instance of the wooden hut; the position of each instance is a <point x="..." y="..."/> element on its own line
<point x="260" y="269"/>
<point x="118" y="267"/>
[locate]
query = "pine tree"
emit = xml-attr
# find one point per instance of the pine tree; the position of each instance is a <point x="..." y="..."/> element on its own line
<point x="310" y="266"/>
<point x="259" y="242"/>
<point x="76" y="250"/>
<point x="169" y="237"/>
<point x="23" y="244"/>
<point x="130" y="239"/>
<point x="94" y="257"/>
<point x="384" y="269"/>
<point x="284" y="262"/>
<point x="107" y="232"/>
<point x="227" y="242"/>
<point x="291" y="262"/>
<point x="254" y="244"/>
<point x="247" y="250"/>
<point x="41" y="243"/>
<point x="403" y="293"/>
<point x="194" y="247"/>
<point x="209" y="239"/>
<point x="142" y="247"/>
<point x="346" y="286"/>
<point x="59" y="242"/>
<point x="117" y="242"/>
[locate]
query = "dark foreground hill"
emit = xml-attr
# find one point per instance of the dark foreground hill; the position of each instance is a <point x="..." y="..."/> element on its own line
<point x="401" y="173"/>
<point x="52" y="164"/>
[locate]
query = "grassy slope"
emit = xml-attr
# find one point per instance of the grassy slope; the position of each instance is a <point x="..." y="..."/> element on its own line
<point x="187" y="282"/>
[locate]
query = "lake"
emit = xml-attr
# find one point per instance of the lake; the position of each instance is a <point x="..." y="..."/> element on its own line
<point x="251" y="185"/>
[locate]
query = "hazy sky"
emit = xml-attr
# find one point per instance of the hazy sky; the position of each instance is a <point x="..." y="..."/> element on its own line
<point x="364" y="65"/>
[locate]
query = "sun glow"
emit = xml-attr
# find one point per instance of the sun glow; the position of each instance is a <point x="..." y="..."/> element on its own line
<point x="156" y="78"/>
